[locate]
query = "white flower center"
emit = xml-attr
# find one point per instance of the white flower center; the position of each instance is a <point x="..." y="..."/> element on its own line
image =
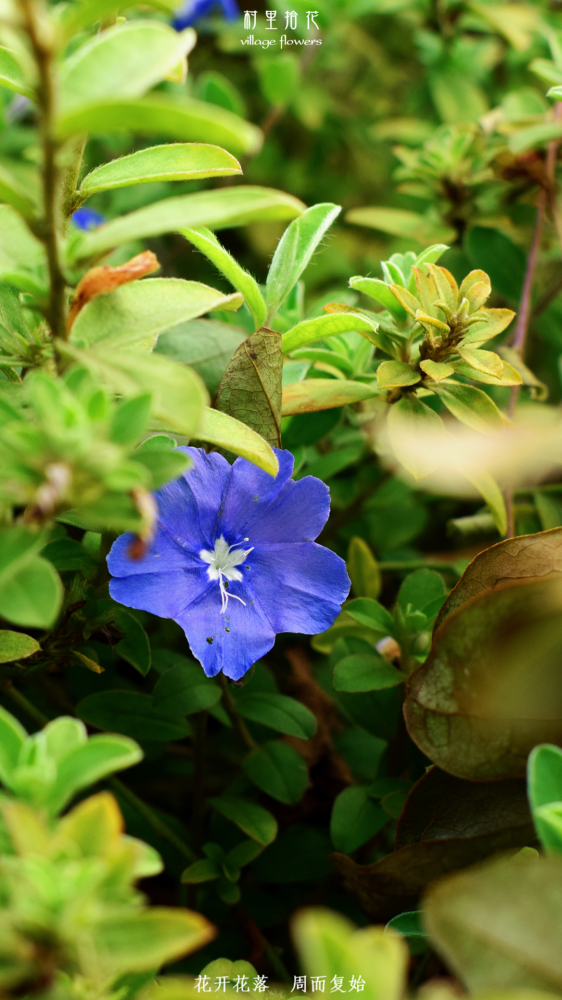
<point x="223" y="561"/>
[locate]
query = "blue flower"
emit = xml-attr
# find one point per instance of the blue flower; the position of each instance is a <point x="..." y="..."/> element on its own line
<point x="192" y="10"/>
<point x="234" y="560"/>
<point x="87" y="218"/>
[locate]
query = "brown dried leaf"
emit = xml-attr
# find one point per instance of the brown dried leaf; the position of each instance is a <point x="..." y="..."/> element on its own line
<point x="101" y="280"/>
<point x="250" y="389"/>
<point x="447" y="824"/>
<point x="490" y="688"/>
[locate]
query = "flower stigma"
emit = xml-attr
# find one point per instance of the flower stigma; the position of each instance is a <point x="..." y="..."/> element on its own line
<point x="223" y="561"/>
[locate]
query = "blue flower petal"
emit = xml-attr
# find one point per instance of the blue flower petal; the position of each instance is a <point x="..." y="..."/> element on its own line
<point x="164" y="556"/>
<point x="232" y="642"/>
<point x="285" y="583"/>
<point x="251" y="489"/>
<point x="87" y="218"/>
<point x="189" y="506"/>
<point x="297" y="514"/>
<point x="163" y="594"/>
<point x="231" y="9"/>
<point x="299" y="587"/>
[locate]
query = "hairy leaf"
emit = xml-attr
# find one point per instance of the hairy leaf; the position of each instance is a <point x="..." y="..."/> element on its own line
<point x="232" y="206"/>
<point x="178" y="161"/>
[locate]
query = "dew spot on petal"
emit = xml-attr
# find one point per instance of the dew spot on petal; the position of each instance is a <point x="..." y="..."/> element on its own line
<point x="210" y="640"/>
<point x="226" y="629"/>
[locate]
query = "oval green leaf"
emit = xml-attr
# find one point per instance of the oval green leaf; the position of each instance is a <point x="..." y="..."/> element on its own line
<point x="180" y="161"/>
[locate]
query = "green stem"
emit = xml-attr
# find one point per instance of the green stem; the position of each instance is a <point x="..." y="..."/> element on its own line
<point x="158" y="825"/>
<point x="22" y="702"/>
<point x="238" y="723"/>
<point x="46" y="228"/>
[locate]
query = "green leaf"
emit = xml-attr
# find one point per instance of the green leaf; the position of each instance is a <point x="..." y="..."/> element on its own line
<point x="372" y="614"/>
<point x="18" y="547"/>
<point x="16" y="646"/>
<point x="250" y="389"/>
<point x="12" y="738"/>
<point x="503" y="260"/>
<point x="314" y="394"/>
<point x="224" y="431"/>
<point x="497" y="924"/>
<point x="408" y="924"/>
<point x="225" y="207"/>
<point x="278" y="770"/>
<point x="132" y="316"/>
<point x="184" y="690"/>
<point x="207" y="242"/>
<point x="134" y="647"/>
<point x="456" y="97"/>
<point x="490" y="491"/>
<point x="127" y="60"/>
<point x="67" y="554"/>
<point x="278" y="712"/>
<point x="14" y="193"/>
<point x="149" y="938"/>
<point x="474" y="707"/>
<point x="18" y="248"/>
<point x="174" y="162"/>
<point x="254" y="820"/>
<point x="87" y="764"/>
<point x="379" y="290"/>
<point x="205" y="344"/>
<point x="470" y="405"/>
<point x="12" y="74"/>
<point x="483" y="361"/>
<point x="185" y="120"/>
<point x="400" y="222"/>
<point x="133" y="714"/>
<point x="544" y="783"/>
<point x="422" y="591"/>
<point x="178" y="395"/>
<point x="329" y="944"/>
<point x="33" y="596"/>
<point x="322" y="327"/>
<point x="407" y="420"/>
<point x="201" y="871"/>
<point x="355" y="819"/>
<point x="363" y="569"/>
<point x="294" y="252"/>
<point x="391" y="374"/>
<point x="366" y="672"/>
<point x="279" y="78"/>
<point x="437" y="370"/>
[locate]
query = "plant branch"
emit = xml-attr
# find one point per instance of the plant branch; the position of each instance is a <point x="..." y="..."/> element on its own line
<point x="158" y="825"/>
<point x="46" y="228"/>
<point x="546" y="196"/>
<point x="238" y="723"/>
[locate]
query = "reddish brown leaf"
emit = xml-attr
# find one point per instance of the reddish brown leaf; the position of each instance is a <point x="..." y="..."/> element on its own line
<point x="101" y="280"/>
<point x="447" y="824"/>
<point x="490" y="689"/>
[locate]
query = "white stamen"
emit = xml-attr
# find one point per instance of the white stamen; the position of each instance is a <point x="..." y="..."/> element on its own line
<point x="222" y="563"/>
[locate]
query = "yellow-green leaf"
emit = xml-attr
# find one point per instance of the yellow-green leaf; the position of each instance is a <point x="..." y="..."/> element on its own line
<point x="177" y="161"/>
<point x="315" y="394"/>
<point x="436" y="370"/>
<point x="224" y="431"/>
<point x="391" y="374"/>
